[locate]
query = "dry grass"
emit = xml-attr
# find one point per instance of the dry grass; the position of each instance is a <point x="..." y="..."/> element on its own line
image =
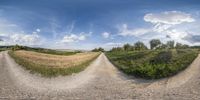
<point x="55" y="60"/>
<point x="53" y="65"/>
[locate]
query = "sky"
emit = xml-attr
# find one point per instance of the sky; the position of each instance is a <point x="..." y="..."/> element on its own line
<point x="87" y="24"/>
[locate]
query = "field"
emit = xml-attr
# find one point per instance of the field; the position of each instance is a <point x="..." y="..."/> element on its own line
<point x="52" y="65"/>
<point x="152" y="64"/>
<point x="43" y="50"/>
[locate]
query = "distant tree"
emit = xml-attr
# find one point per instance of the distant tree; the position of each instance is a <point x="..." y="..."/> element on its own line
<point x="127" y="47"/>
<point x="17" y="47"/>
<point x="140" y="46"/>
<point x="179" y="45"/>
<point x="155" y="43"/>
<point x="170" y="44"/>
<point x="195" y="47"/>
<point x="114" y="49"/>
<point x="185" y="46"/>
<point x="98" y="50"/>
<point x="101" y="49"/>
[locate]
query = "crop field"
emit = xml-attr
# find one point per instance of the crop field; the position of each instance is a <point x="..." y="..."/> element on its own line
<point x="152" y="64"/>
<point x="53" y="65"/>
<point x="43" y="50"/>
<point x="47" y="51"/>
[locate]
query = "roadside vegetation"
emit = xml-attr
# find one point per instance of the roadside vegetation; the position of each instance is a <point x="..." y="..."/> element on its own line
<point x="52" y="65"/>
<point x="161" y="60"/>
<point x="3" y="48"/>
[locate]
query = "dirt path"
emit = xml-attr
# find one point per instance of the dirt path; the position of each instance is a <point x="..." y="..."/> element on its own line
<point x="101" y="80"/>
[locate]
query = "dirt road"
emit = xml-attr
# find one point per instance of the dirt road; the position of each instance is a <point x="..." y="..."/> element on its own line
<point x="100" y="80"/>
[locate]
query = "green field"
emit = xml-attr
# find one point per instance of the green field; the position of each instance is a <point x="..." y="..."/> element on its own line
<point x="152" y="64"/>
<point x="44" y="50"/>
<point x="54" y="52"/>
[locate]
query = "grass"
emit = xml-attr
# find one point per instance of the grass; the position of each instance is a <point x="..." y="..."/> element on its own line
<point x="50" y="51"/>
<point x="2" y="49"/>
<point x="55" y="52"/>
<point x="153" y="64"/>
<point x="52" y="65"/>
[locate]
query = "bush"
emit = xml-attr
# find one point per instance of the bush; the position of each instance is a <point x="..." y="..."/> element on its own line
<point x="153" y="64"/>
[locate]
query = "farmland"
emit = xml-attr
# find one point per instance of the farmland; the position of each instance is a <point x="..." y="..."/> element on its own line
<point x="152" y="64"/>
<point x="52" y="65"/>
<point x="43" y="50"/>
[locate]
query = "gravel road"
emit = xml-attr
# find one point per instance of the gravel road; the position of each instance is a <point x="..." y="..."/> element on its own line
<point x="100" y="80"/>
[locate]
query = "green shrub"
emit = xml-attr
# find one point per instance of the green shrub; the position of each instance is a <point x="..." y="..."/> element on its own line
<point x="153" y="64"/>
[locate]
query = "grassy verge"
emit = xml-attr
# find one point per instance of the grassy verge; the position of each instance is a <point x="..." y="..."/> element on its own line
<point x="153" y="64"/>
<point x="47" y="71"/>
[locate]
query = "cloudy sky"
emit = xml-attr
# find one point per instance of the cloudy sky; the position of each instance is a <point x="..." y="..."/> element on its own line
<point x="86" y="24"/>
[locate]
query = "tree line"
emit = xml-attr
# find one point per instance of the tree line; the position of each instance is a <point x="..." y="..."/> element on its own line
<point x="154" y="45"/>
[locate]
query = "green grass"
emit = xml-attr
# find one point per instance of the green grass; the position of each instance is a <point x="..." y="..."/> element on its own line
<point x="44" y="50"/>
<point x="65" y="53"/>
<point x="47" y="71"/>
<point x="54" y="52"/>
<point x="153" y="64"/>
<point x="2" y="49"/>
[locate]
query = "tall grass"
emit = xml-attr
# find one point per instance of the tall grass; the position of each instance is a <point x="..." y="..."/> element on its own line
<point x="48" y="71"/>
<point x="153" y="64"/>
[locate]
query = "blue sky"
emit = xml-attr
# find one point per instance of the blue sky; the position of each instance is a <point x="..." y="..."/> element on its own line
<point x="86" y="24"/>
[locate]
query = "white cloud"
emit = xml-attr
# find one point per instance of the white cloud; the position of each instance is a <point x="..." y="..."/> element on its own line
<point x="109" y="45"/>
<point x="21" y="39"/>
<point x="11" y="34"/>
<point x="169" y="23"/>
<point x="166" y="20"/>
<point x="73" y="38"/>
<point x="105" y="34"/>
<point x="124" y="31"/>
<point x="38" y="30"/>
<point x="113" y="44"/>
<point x="173" y="24"/>
<point x="168" y="17"/>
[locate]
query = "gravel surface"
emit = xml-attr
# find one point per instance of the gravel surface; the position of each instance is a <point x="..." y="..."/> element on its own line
<point x="100" y="80"/>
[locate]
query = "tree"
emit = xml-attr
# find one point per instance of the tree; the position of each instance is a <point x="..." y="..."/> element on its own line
<point x="140" y="46"/>
<point x="185" y="46"/>
<point x="127" y="47"/>
<point x="155" y="43"/>
<point x="181" y="46"/>
<point x="98" y="50"/>
<point x="170" y="44"/>
<point x="17" y="47"/>
<point x="114" y="49"/>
